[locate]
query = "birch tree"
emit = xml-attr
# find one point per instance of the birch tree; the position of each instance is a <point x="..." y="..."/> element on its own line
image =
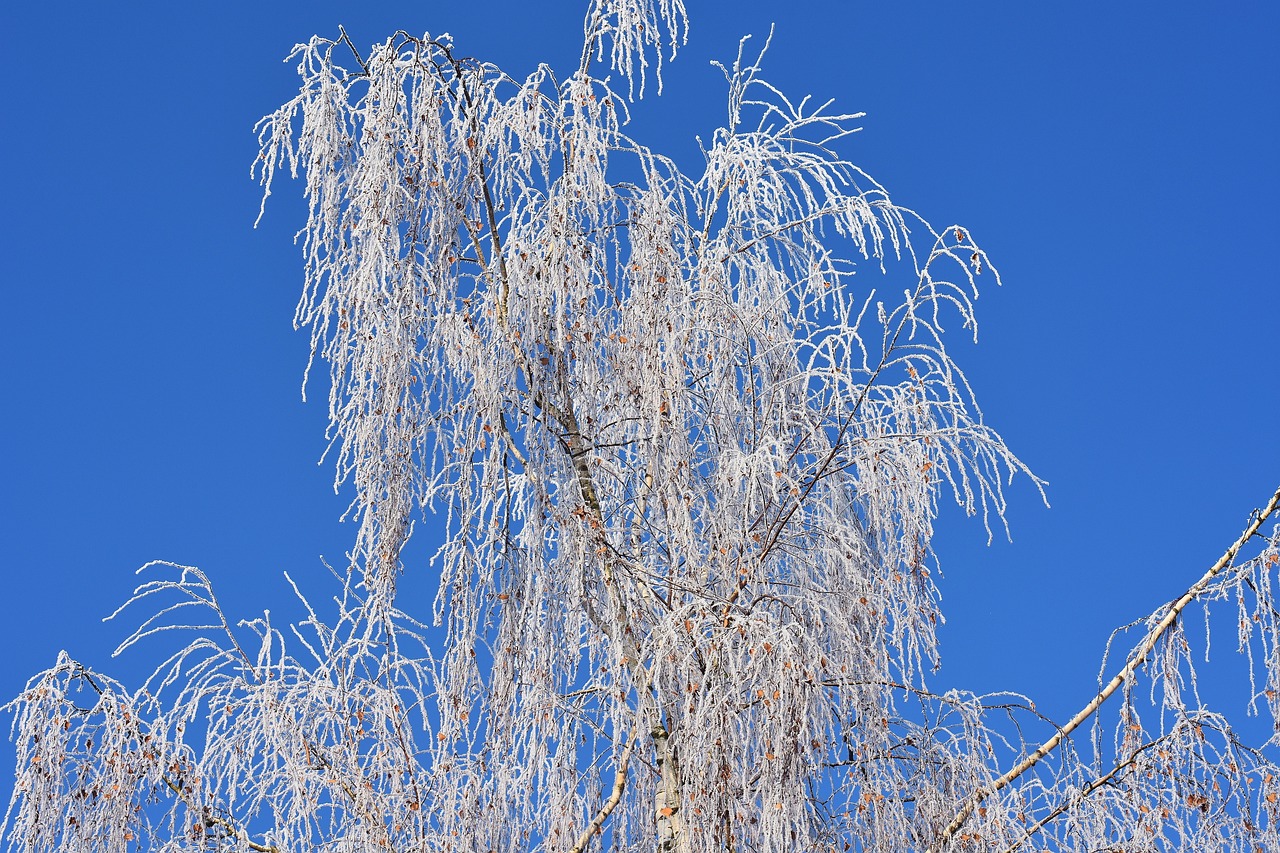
<point x="686" y="428"/>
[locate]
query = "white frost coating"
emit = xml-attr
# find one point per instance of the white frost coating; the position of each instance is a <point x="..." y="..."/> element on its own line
<point x="626" y="29"/>
<point x="689" y="477"/>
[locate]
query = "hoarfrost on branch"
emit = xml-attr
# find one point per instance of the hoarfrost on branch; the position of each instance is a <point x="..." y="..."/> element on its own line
<point x="688" y="463"/>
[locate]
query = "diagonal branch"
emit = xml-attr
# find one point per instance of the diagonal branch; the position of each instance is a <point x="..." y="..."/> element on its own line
<point x="1135" y="660"/>
<point x="1085" y="792"/>
<point x="615" y="797"/>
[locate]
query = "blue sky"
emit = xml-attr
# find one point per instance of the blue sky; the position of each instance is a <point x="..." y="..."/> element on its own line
<point x="1116" y="160"/>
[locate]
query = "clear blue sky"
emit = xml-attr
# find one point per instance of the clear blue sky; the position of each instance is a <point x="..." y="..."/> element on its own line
<point x="1117" y="160"/>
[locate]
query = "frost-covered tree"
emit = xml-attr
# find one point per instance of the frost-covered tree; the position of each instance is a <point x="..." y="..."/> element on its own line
<point x="687" y="464"/>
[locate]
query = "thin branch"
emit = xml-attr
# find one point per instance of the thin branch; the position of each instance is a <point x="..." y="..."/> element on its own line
<point x="615" y="797"/>
<point x="346" y="39"/>
<point x="1084" y="794"/>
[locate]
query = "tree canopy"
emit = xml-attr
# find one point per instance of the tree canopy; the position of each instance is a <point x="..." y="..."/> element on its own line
<point x="689" y="430"/>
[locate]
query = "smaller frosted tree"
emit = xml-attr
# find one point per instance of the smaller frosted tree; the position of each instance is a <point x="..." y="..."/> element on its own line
<point x="688" y="464"/>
